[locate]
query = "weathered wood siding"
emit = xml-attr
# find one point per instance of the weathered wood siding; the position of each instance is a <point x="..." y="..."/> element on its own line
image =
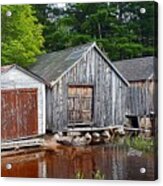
<point x="141" y="98"/>
<point x="19" y="113"/>
<point x="109" y="93"/>
<point x="80" y="104"/>
<point x="16" y="79"/>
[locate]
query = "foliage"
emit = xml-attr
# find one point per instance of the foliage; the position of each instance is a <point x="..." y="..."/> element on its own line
<point x="140" y="143"/>
<point x="119" y="28"/>
<point x="22" y="37"/>
<point x="97" y="175"/>
<point x="79" y="175"/>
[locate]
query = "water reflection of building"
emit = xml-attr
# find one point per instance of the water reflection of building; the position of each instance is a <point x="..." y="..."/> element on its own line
<point x="30" y="165"/>
<point x="113" y="162"/>
<point x="134" y="164"/>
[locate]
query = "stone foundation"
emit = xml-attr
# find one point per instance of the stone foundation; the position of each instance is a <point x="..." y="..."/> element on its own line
<point x="86" y="138"/>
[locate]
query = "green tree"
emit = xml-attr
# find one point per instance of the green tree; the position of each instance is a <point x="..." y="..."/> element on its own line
<point x="118" y="28"/>
<point x="22" y="38"/>
<point x="55" y="30"/>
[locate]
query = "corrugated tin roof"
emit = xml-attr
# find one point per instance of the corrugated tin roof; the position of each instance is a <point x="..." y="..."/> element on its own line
<point x="137" y="69"/>
<point x="51" y="66"/>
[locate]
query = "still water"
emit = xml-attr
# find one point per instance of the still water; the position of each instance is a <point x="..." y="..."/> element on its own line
<point x="113" y="162"/>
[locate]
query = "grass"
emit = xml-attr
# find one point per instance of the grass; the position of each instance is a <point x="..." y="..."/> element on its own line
<point x="79" y="175"/>
<point x="140" y="143"/>
<point x="97" y="175"/>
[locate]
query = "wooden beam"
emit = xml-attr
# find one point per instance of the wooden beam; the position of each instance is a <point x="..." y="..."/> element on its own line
<point x="87" y="129"/>
<point x="22" y="143"/>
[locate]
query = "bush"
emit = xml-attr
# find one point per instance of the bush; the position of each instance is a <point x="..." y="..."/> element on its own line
<point x="140" y="143"/>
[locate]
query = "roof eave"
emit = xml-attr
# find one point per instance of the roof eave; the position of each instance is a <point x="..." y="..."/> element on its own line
<point x="52" y="83"/>
<point x="33" y="75"/>
<point x="11" y="66"/>
<point x="112" y="66"/>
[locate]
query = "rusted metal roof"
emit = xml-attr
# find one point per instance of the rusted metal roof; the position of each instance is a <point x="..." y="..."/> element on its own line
<point x="138" y="68"/>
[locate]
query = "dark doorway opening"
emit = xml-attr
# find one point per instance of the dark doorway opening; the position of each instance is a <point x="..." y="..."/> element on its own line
<point x="134" y="121"/>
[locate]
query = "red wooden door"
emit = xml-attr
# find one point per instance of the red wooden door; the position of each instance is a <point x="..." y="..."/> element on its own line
<point x="19" y="113"/>
<point x="8" y="115"/>
<point x="80" y="104"/>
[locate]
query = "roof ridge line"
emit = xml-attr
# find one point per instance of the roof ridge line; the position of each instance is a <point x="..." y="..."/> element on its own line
<point x="112" y="65"/>
<point x="77" y="61"/>
<point x="136" y="58"/>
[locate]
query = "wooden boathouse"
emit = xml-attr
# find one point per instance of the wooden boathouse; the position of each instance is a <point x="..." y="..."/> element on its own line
<point x="142" y="94"/>
<point x="86" y="89"/>
<point x="22" y="104"/>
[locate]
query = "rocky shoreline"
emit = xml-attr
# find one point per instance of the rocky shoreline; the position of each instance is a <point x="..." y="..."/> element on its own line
<point x="86" y="138"/>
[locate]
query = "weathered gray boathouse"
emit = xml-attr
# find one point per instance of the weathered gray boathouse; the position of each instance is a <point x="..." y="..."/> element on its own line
<point x="86" y="89"/>
<point x="143" y="91"/>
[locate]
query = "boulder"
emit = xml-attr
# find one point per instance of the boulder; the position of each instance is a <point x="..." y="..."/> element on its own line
<point x="95" y="135"/>
<point x="60" y="133"/>
<point x="80" y="141"/>
<point x="65" y="140"/>
<point x="106" y="134"/>
<point x="56" y="137"/>
<point x="96" y="140"/>
<point x="88" y="136"/>
<point x="134" y="152"/>
<point x="74" y="141"/>
<point x="120" y="131"/>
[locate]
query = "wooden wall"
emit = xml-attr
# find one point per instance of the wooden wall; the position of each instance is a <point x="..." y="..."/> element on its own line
<point x="16" y="79"/>
<point x="141" y="97"/>
<point x="109" y="93"/>
<point x="19" y="118"/>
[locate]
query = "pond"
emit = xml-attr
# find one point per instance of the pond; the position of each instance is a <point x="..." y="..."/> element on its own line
<point x="109" y="161"/>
